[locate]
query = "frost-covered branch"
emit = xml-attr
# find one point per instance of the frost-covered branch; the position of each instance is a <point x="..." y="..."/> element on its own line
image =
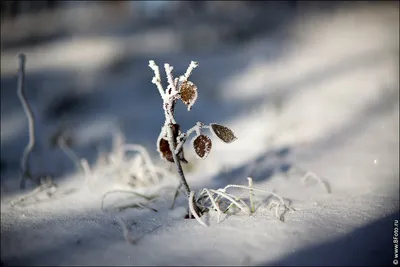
<point x="192" y="66"/>
<point x="172" y="91"/>
<point x="157" y="78"/>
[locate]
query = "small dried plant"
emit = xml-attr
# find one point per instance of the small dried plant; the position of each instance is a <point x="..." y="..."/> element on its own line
<point x="171" y="139"/>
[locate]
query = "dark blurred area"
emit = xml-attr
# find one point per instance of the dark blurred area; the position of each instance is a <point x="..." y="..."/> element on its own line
<point x="28" y="23"/>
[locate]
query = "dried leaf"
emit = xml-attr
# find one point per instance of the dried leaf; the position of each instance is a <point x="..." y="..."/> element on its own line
<point x="223" y="133"/>
<point x="202" y="146"/>
<point x="188" y="92"/>
<point x="163" y="149"/>
<point x="163" y="145"/>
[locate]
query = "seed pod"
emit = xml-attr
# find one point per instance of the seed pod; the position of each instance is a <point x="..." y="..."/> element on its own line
<point x="188" y="93"/>
<point x="223" y="133"/>
<point x="202" y="146"/>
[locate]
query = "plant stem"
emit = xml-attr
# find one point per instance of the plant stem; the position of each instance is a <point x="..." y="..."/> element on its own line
<point x="172" y="145"/>
<point x="31" y="121"/>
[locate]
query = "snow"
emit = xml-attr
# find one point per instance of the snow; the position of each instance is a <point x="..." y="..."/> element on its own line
<point x="327" y="104"/>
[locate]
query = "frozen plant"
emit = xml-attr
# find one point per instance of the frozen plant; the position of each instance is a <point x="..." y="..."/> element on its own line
<point x="171" y="139"/>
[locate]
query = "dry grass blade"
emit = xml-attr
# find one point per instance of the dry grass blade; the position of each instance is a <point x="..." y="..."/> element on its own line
<point x="215" y="206"/>
<point x="313" y="175"/>
<point x="227" y="196"/>
<point x="255" y="189"/>
<point x="193" y="211"/>
<point x="252" y="209"/>
<point x="48" y="185"/>
<point x="147" y="198"/>
<point x="146" y="157"/>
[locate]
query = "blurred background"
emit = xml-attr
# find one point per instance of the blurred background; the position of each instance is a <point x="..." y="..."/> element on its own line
<point x="87" y="67"/>
<point x="311" y="84"/>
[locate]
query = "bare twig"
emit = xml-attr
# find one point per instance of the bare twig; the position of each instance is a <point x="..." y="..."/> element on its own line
<point x="192" y="66"/>
<point x="25" y="170"/>
<point x="157" y="78"/>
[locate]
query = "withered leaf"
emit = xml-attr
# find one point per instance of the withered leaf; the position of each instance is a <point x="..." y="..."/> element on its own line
<point x="163" y="149"/>
<point x="163" y="146"/>
<point x="223" y="133"/>
<point x="188" y="92"/>
<point x="202" y="146"/>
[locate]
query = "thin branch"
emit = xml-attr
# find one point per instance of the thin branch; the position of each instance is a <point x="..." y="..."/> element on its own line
<point x="183" y="137"/>
<point x="25" y="172"/>
<point x="172" y="146"/>
<point x="192" y="66"/>
<point x="157" y="78"/>
<point x="171" y="84"/>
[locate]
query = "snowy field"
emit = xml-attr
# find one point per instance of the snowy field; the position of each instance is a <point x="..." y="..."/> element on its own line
<point x="322" y="97"/>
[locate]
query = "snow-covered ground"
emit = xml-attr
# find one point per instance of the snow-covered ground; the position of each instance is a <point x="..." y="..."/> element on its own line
<point x="323" y="97"/>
